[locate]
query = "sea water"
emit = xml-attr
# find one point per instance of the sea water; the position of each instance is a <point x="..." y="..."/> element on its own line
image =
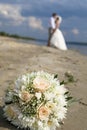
<point x="80" y="47"/>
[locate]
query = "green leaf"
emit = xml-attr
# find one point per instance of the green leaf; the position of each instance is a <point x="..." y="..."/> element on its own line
<point x="66" y="93"/>
<point x="62" y="82"/>
<point x="55" y="76"/>
<point x="69" y="98"/>
<point x="7" y="103"/>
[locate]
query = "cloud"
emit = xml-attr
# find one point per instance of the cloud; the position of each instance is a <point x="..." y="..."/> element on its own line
<point x="12" y="13"/>
<point x="35" y="23"/>
<point x="75" y="31"/>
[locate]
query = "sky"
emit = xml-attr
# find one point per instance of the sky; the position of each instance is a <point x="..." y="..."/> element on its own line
<point x="31" y="18"/>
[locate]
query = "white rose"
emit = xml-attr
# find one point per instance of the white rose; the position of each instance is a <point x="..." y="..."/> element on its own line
<point x="41" y="84"/>
<point x="43" y="113"/>
<point x="25" y="96"/>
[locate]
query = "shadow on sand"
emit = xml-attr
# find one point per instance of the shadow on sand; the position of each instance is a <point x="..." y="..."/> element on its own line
<point x="6" y="124"/>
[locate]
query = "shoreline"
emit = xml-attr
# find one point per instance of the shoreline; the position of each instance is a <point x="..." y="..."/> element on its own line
<point x="82" y="49"/>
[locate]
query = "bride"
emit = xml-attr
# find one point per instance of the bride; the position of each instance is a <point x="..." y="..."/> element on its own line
<point x="57" y="39"/>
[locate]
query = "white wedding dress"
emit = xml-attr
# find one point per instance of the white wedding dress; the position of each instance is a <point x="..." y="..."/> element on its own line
<point x="58" y="40"/>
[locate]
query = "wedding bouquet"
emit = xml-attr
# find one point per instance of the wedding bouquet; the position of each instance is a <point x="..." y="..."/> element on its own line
<point x="37" y="101"/>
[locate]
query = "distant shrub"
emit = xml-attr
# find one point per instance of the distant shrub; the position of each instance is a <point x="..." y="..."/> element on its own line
<point x="15" y="36"/>
<point x="4" y="34"/>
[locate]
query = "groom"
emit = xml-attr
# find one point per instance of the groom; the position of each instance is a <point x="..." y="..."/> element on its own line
<point x="52" y="27"/>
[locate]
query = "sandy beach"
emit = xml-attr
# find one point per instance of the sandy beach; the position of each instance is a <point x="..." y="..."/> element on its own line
<point x="18" y="58"/>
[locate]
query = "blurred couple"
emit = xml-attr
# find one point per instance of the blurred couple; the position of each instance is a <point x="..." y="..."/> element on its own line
<point x="56" y="38"/>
